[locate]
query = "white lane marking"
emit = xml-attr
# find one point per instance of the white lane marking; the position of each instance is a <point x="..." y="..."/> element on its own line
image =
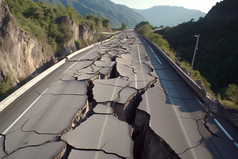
<point x="70" y="67"/>
<point x="139" y="54"/>
<point x="147" y="102"/>
<point x="199" y="102"/>
<point x="114" y="89"/>
<point x="105" y="121"/>
<point x="77" y="61"/>
<point x="144" y="40"/>
<point x="146" y="96"/>
<point x="23" y="113"/>
<point x="155" y="55"/>
<point x="227" y="134"/>
<point x="136" y="81"/>
<point x="182" y="126"/>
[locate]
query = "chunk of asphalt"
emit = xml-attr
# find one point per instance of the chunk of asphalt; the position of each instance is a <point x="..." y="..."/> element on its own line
<point x="47" y="121"/>
<point x="103" y="109"/>
<point x="114" y="82"/>
<point x="82" y="77"/>
<point x="126" y="94"/>
<point x="127" y="62"/>
<point x="124" y="70"/>
<point x="69" y="87"/>
<point x="74" y="154"/>
<point x="102" y="132"/>
<point x="2" y="153"/>
<point x="104" y="64"/>
<point x="49" y="150"/>
<point x="143" y="69"/>
<point x="88" y="69"/>
<point x="111" y="93"/>
<point x="24" y="139"/>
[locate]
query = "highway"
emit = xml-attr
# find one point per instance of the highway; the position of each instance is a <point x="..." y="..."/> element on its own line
<point x="120" y="99"/>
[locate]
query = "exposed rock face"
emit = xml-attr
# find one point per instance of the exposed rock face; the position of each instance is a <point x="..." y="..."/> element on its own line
<point x="21" y="55"/>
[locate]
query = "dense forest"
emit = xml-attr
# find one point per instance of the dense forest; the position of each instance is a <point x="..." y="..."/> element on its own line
<point x="217" y="55"/>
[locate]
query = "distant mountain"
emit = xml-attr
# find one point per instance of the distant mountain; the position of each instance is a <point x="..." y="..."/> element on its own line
<point x="169" y="15"/>
<point x="104" y="8"/>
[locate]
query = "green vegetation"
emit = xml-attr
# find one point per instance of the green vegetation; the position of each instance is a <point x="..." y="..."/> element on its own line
<point x="217" y="56"/>
<point x="144" y="28"/>
<point x="43" y="21"/>
<point x="50" y="23"/>
<point x="96" y="23"/>
<point x="231" y="97"/>
<point x="78" y="44"/>
<point x="5" y="87"/>
<point x="103" y="8"/>
<point x="123" y="26"/>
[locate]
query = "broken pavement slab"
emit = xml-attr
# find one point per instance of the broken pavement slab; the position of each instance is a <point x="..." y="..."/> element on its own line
<point x="126" y="94"/>
<point x="124" y="70"/>
<point x="2" y="153"/>
<point x="111" y="93"/>
<point x="102" y="132"/>
<point x="69" y="87"/>
<point x="40" y="151"/>
<point x="74" y="154"/>
<point x="104" y="64"/>
<point x="19" y="139"/>
<point x="114" y="82"/>
<point x="103" y="109"/>
<point x="47" y="121"/>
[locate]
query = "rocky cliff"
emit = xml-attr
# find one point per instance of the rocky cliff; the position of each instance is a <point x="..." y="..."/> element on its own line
<point x="22" y="56"/>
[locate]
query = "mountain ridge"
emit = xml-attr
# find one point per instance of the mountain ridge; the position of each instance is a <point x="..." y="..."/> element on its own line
<point x="174" y="15"/>
<point x="116" y="13"/>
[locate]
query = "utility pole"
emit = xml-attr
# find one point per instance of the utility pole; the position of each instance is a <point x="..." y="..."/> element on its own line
<point x="196" y="48"/>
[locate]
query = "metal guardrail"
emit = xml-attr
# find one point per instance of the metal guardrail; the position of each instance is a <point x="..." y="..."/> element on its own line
<point x="28" y="85"/>
<point x="210" y="101"/>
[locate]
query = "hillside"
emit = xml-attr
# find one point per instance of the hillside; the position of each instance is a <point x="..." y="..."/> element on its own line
<point x="217" y="55"/>
<point x="169" y="15"/>
<point x="224" y="10"/>
<point x="116" y="13"/>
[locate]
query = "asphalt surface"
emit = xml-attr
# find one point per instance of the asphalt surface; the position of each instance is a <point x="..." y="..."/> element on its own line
<point x="85" y="109"/>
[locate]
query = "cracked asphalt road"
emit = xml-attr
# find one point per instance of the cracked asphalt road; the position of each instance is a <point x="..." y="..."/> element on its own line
<point x="120" y="99"/>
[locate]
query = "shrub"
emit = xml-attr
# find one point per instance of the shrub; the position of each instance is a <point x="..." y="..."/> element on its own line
<point x="5" y="87"/>
<point x="78" y="44"/>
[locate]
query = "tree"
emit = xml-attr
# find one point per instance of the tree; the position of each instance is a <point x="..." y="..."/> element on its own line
<point x="106" y="22"/>
<point x="142" y="24"/>
<point x="144" y="30"/>
<point x="232" y="93"/>
<point x="123" y="26"/>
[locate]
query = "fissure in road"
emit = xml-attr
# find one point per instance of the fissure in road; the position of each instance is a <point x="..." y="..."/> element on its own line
<point x="99" y="96"/>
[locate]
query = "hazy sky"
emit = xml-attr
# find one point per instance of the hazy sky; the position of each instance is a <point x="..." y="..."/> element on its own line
<point x="202" y="5"/>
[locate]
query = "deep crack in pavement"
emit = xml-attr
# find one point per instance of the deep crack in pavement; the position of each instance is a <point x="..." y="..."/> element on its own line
<point x="99" y="108"/>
